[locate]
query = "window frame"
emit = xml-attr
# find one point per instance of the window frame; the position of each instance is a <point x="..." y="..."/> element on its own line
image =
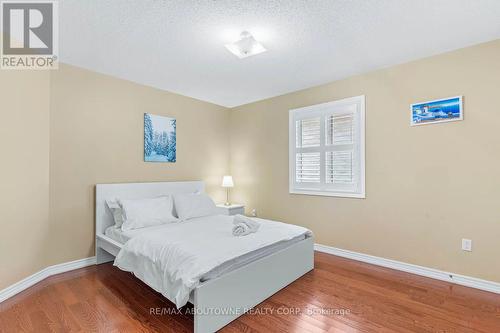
<point x="323" y="110"/>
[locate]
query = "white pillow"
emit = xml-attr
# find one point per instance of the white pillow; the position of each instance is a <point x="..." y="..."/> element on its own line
<point x="142" y="213"/>
<point x="193" y="205"/>
<point x="116" y="210"/>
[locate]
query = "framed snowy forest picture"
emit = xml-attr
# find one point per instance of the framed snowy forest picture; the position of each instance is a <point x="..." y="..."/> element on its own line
<point x="159" y="138"/>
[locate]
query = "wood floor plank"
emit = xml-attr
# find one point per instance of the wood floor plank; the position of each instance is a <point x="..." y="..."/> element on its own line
<point x="339" y="296"/>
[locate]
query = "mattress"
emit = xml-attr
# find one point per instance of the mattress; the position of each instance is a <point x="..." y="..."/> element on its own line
<point x="175" y="258"/>
<point x="122" y="237"/>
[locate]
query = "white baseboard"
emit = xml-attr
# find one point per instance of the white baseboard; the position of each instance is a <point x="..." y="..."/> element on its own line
<point x="389" y="263"/>
<point x="43" y="274"/>
<point x="414" y="269"/>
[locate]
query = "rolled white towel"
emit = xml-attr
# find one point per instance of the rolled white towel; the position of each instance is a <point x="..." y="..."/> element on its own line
<point x="252" y="224"/>
<point x="241" y="229"/>
<point x="244" y="225"/>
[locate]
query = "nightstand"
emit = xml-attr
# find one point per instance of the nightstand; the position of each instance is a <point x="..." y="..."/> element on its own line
<point x="232" y="209"/>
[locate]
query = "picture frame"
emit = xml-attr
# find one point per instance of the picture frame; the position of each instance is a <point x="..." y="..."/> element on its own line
<point x="437" y="111"/>
<point x="160" y="138"/>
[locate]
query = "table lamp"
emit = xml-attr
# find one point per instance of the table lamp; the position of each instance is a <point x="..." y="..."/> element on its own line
<point x="227" y="182"/>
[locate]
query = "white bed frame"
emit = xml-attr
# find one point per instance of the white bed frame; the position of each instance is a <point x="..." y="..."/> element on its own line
<point x="237" y="291"/>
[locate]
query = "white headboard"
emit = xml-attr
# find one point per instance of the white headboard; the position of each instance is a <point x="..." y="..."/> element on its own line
<point x="104" y="219"/>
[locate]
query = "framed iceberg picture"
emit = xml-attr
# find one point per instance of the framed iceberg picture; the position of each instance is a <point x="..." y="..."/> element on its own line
<point x="160" y="144"/>
<point x="437" y="111"/>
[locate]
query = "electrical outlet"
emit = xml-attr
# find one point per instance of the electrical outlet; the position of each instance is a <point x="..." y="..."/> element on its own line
<point x="466" y="245"/>
<point x="254" y="212"/>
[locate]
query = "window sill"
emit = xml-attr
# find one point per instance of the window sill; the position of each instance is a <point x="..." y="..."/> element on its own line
<point x="329" y="194"/>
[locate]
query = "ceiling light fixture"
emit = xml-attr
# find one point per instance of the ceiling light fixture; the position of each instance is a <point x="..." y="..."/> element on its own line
<point x="246" y="46"/>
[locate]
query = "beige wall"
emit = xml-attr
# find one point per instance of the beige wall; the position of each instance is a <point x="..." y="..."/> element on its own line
<point x="427" y="186"/>
<point x="24" y="174"/>
<point x="97" y="137"/>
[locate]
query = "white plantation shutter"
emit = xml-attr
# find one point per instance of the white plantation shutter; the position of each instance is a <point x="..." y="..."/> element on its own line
<point x="308" y="168"/>
<point x="308" y="132"/>
<point x="340" y="156"/>
<point x="327" y="149"/>
<point x="340" y="129"/>
<point x="308" y="164"/>
<point x="339" y="167"/>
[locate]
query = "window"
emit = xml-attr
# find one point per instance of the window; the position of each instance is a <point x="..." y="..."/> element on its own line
<point x="327" y="149"/>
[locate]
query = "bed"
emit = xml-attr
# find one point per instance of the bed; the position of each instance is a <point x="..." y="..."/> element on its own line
<point x="235" y="286"/>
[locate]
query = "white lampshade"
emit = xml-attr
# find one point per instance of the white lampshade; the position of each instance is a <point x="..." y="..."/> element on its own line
<point x="227" y="181"/>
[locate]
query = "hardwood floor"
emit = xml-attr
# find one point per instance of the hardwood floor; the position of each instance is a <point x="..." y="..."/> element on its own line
<point x="340" y="295"/>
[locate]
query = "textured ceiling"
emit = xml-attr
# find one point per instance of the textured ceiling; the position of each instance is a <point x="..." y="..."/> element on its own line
<point x="179" y="45"/>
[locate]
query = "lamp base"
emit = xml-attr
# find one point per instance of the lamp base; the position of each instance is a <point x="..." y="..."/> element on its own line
<point x="227" y="197"/>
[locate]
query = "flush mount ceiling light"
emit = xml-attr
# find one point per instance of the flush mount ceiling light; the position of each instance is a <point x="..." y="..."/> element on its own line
<point x="246" y="46"/>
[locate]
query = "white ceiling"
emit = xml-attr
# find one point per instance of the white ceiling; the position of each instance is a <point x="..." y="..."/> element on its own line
<point x="179" y="45"/>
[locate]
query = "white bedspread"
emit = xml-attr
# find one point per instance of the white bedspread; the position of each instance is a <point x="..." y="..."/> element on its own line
<point x="173" y="260"/>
